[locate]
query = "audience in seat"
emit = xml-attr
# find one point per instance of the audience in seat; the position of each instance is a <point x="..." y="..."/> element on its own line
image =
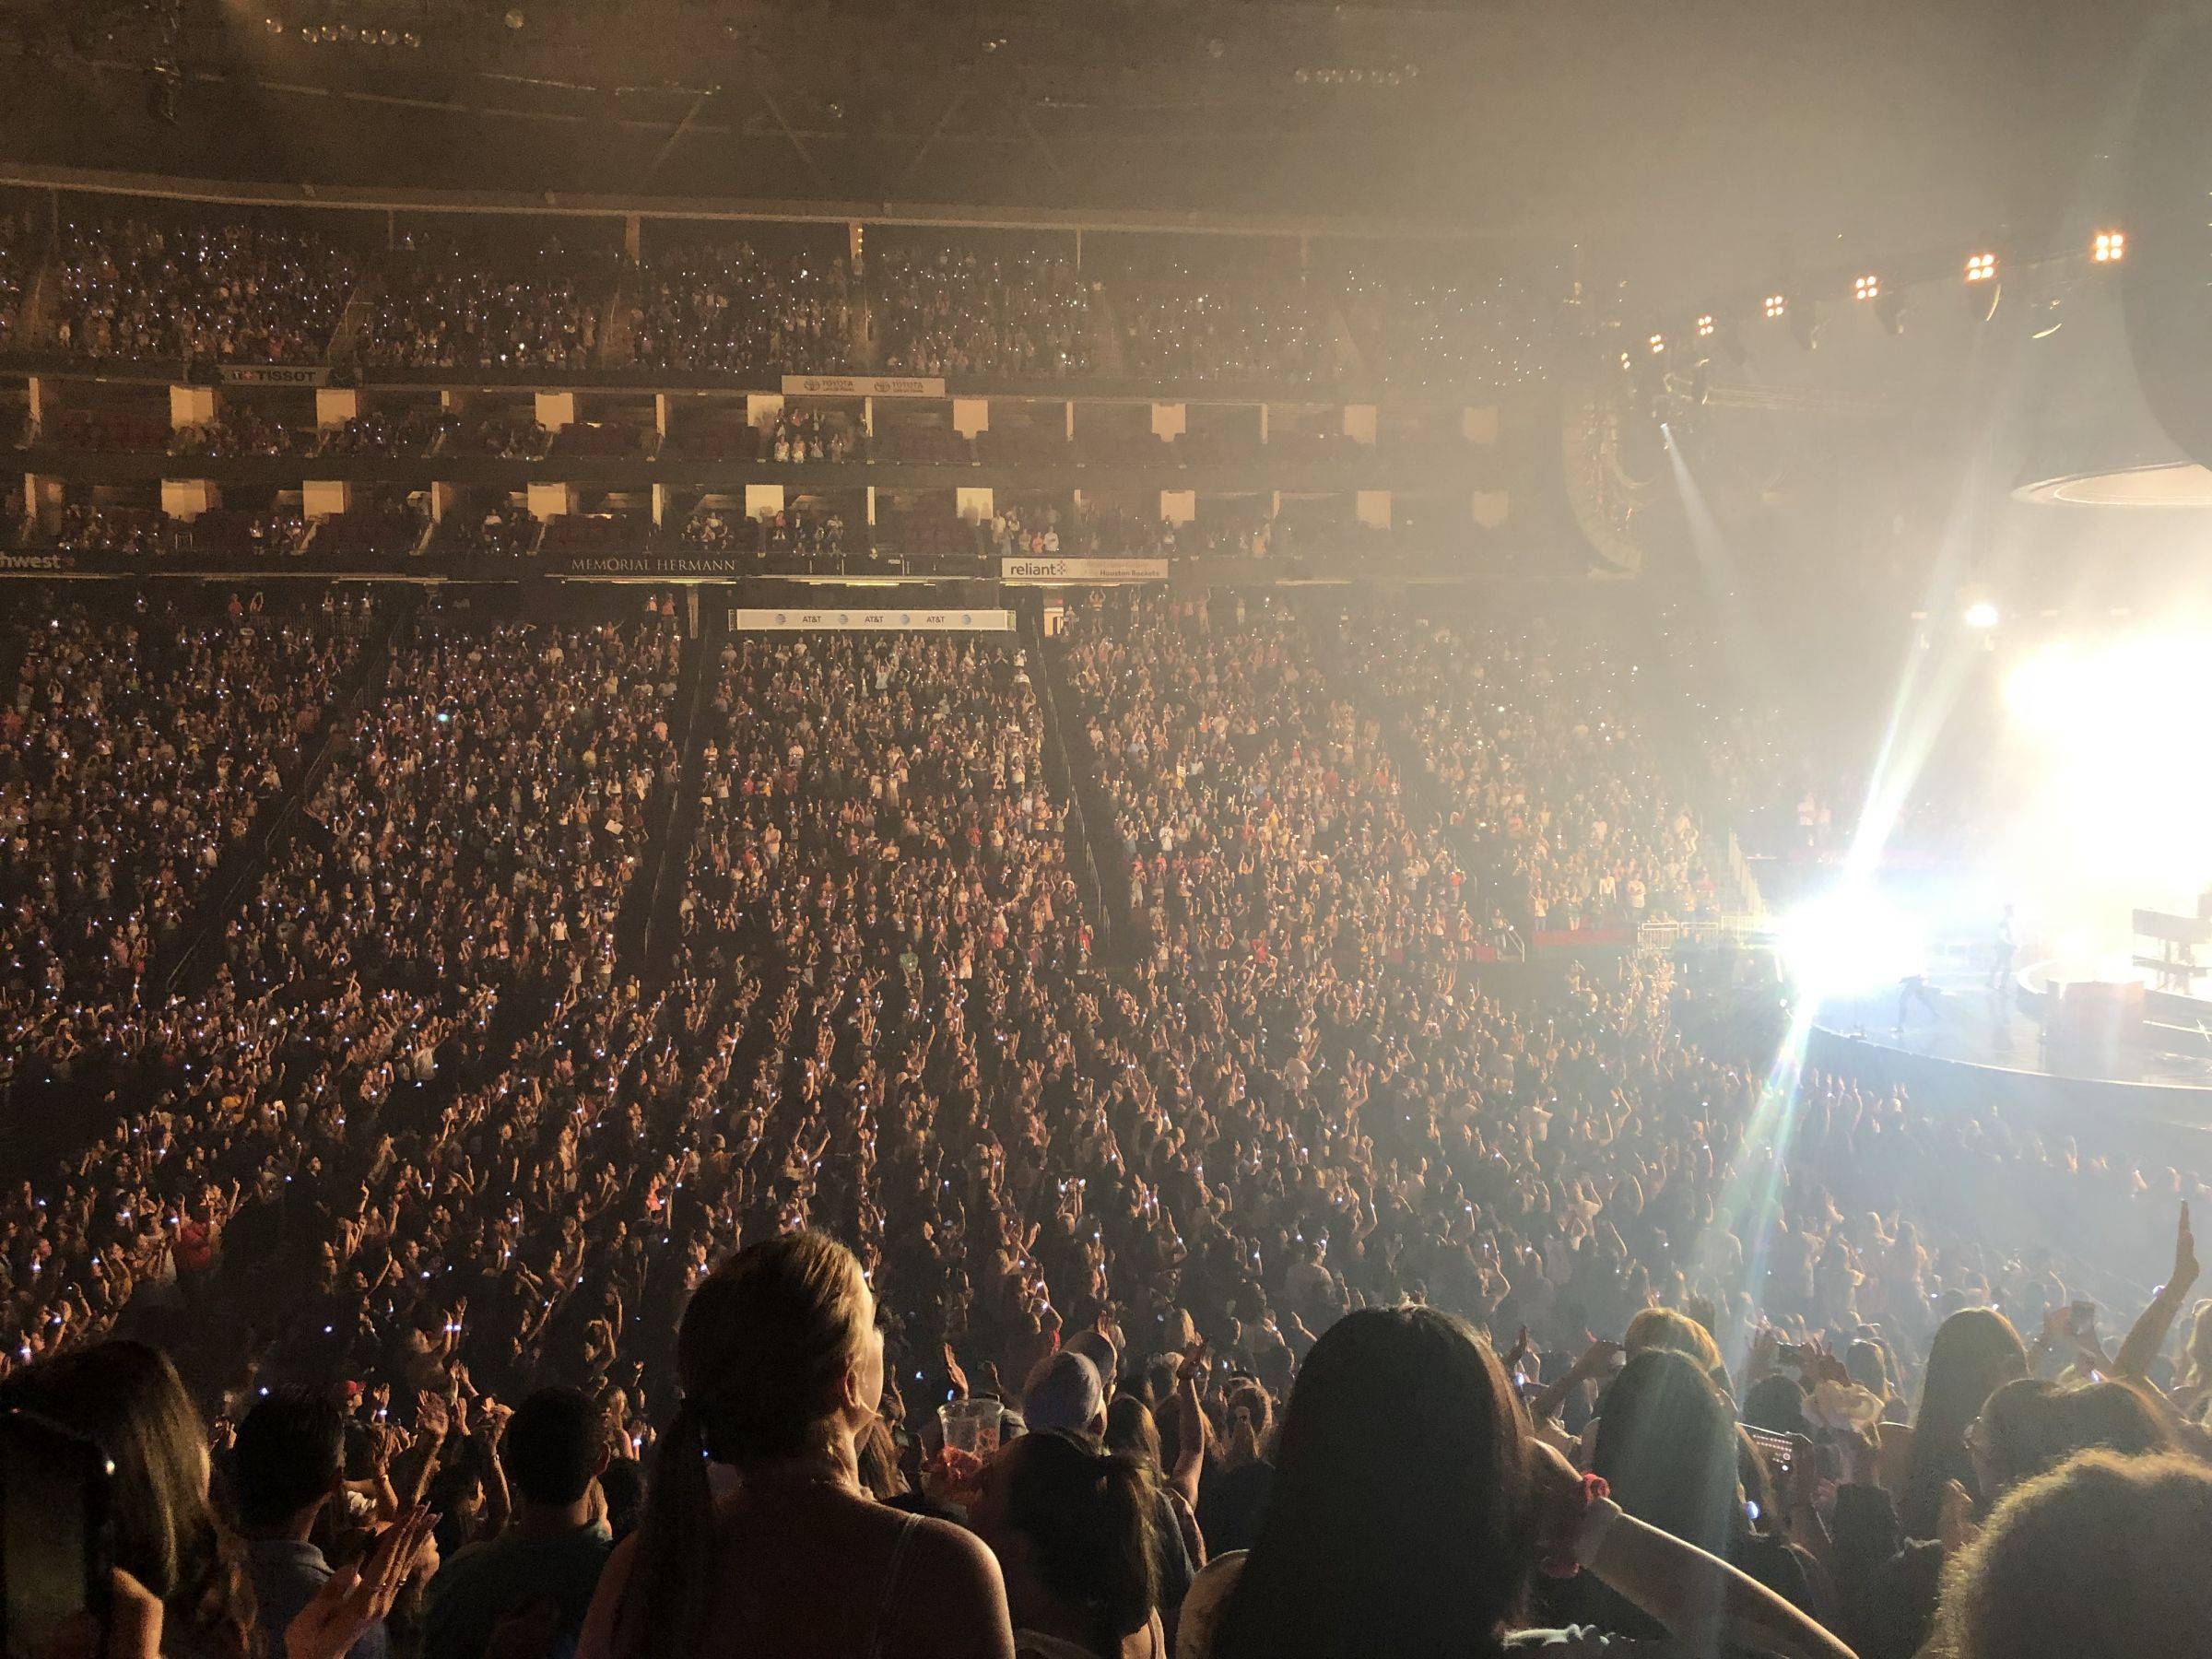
<point x="446" y="306"/>
<point x="199" y="290"/>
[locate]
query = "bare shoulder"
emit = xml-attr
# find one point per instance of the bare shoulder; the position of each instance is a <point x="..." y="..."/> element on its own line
<point x="953" y="1596"/>
<point x="596" y="1641"/>
<point x="947" y="1548"/>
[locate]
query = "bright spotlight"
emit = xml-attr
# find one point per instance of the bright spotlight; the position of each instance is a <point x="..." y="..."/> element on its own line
<point x="2107" y="247"/>
<point x="1776" y="306"/>
<point x="1981" y="614"/>
<point x="1705" y="326"/>
<point x="1981" y="268"/>
<point x="1865" y="287"/>
<point x="1850" y="943"/>
<point x="1658" y="344"/>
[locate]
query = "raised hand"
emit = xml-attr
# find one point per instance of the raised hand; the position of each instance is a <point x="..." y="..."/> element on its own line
<point x="1593" y="1361"/>
<point x="1519" y="1354"/>
<point x="1955" y="1524"/>
<point x="356" y="1597"/>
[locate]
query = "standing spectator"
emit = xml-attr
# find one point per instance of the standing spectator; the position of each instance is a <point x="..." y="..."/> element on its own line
<point x="1072" y="1527"/>
<point x="287" y="1463"/>
<point x="782" y="1365"/>
<point x="530" y="1588"/>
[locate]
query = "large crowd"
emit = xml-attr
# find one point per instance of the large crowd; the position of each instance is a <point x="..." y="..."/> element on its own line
<point x="443" y="305"/>
<point x="616" y="1119"/>
<point x="956" y="312"/>
<point x="728" y="307"/>
<point x="198" y="290"/>
<point x="220" y="287"/>
<point x="135" y="752"/>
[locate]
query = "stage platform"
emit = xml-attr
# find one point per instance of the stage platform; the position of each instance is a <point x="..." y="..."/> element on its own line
<point x="1985" y="1043"/>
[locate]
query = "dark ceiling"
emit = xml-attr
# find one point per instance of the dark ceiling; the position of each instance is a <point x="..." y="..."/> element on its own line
<point x="1684" y="142"/>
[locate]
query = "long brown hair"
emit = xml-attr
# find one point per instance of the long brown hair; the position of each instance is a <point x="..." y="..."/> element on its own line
<point x="764" y="1345"/>
<point x="126" y="1398"/>
<point x="1975" y="1352"/>
<point x="1398" y="1520"/>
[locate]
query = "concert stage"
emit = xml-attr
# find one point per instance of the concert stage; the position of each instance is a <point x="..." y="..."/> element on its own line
<point x="1982" y="1044"/>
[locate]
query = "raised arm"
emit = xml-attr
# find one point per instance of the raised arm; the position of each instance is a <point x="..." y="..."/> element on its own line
<point x="2147" y="1336"/>
<point x="1700" y="1598"/>
<point x="1189" y="1427"/>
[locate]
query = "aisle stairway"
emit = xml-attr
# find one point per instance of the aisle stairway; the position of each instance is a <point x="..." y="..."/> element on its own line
<point x="186" y="962"/>
<point x="650" y="928"/>
<point x="1094" y="851"/>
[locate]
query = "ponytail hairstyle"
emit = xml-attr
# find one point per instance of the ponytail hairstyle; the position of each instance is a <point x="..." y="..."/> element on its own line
<point x="760" y="1356"/>
<point x="1089" y="1516"/>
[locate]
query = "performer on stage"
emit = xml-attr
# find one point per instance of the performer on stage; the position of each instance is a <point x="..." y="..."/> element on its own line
<point x="1914" y="988"/>
<point x="2009" y="945"/>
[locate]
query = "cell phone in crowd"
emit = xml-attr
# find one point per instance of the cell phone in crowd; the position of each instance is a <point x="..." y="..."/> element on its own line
<point x="53" y="1531"/>
<point x="1776" y="1449"/>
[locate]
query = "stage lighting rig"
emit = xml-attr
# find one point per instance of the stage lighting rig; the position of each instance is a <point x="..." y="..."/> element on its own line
<point x="1866" y="287"/>
<point x="1981" y="268"/>
<point x="1777" y="307"/>
<point x="1705" y="326"/>
<point x="2107" y="247"/>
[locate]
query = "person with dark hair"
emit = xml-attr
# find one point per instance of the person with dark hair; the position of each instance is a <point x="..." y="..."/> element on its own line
<point x="285" y="1464"/>
<point x="623" y="1484"/>
<point x="1074" y="1527"/>
<point x="1667" y="1445"/>
<point x="1233" y="1493"/>
<point x="2025" y="1428"/>
<point x="540" y="1575"/>
<point x="781" y="1363"/>
<point x="1411" y="1505"/>
<point x="2030" y="1426"/>
<point x="1068" y="1394"/>
<point x="1775" y="1403"/>
<point x="1974" y="1351"/>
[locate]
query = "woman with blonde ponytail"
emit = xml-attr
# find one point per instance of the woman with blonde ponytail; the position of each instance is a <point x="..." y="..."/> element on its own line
<point x="782" y="1367"/>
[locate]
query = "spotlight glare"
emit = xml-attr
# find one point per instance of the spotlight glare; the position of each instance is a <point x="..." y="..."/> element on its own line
<point x="1705" y="326"/>
<point x="1981" y="614"/>
<point x="2107" y="247"/>
<point x="1658" y="344"/>
<point x="1865" y="287"/>
<point x="1776" y="306"/>
<point x="1849" y="942"/>
<point x="1980" y="267"/>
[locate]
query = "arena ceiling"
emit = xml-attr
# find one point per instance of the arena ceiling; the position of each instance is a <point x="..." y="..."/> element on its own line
<point x="1682" y="141"/>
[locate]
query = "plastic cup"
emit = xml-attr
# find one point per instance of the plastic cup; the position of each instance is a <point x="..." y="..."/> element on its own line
<point x="971" y="1425"/>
